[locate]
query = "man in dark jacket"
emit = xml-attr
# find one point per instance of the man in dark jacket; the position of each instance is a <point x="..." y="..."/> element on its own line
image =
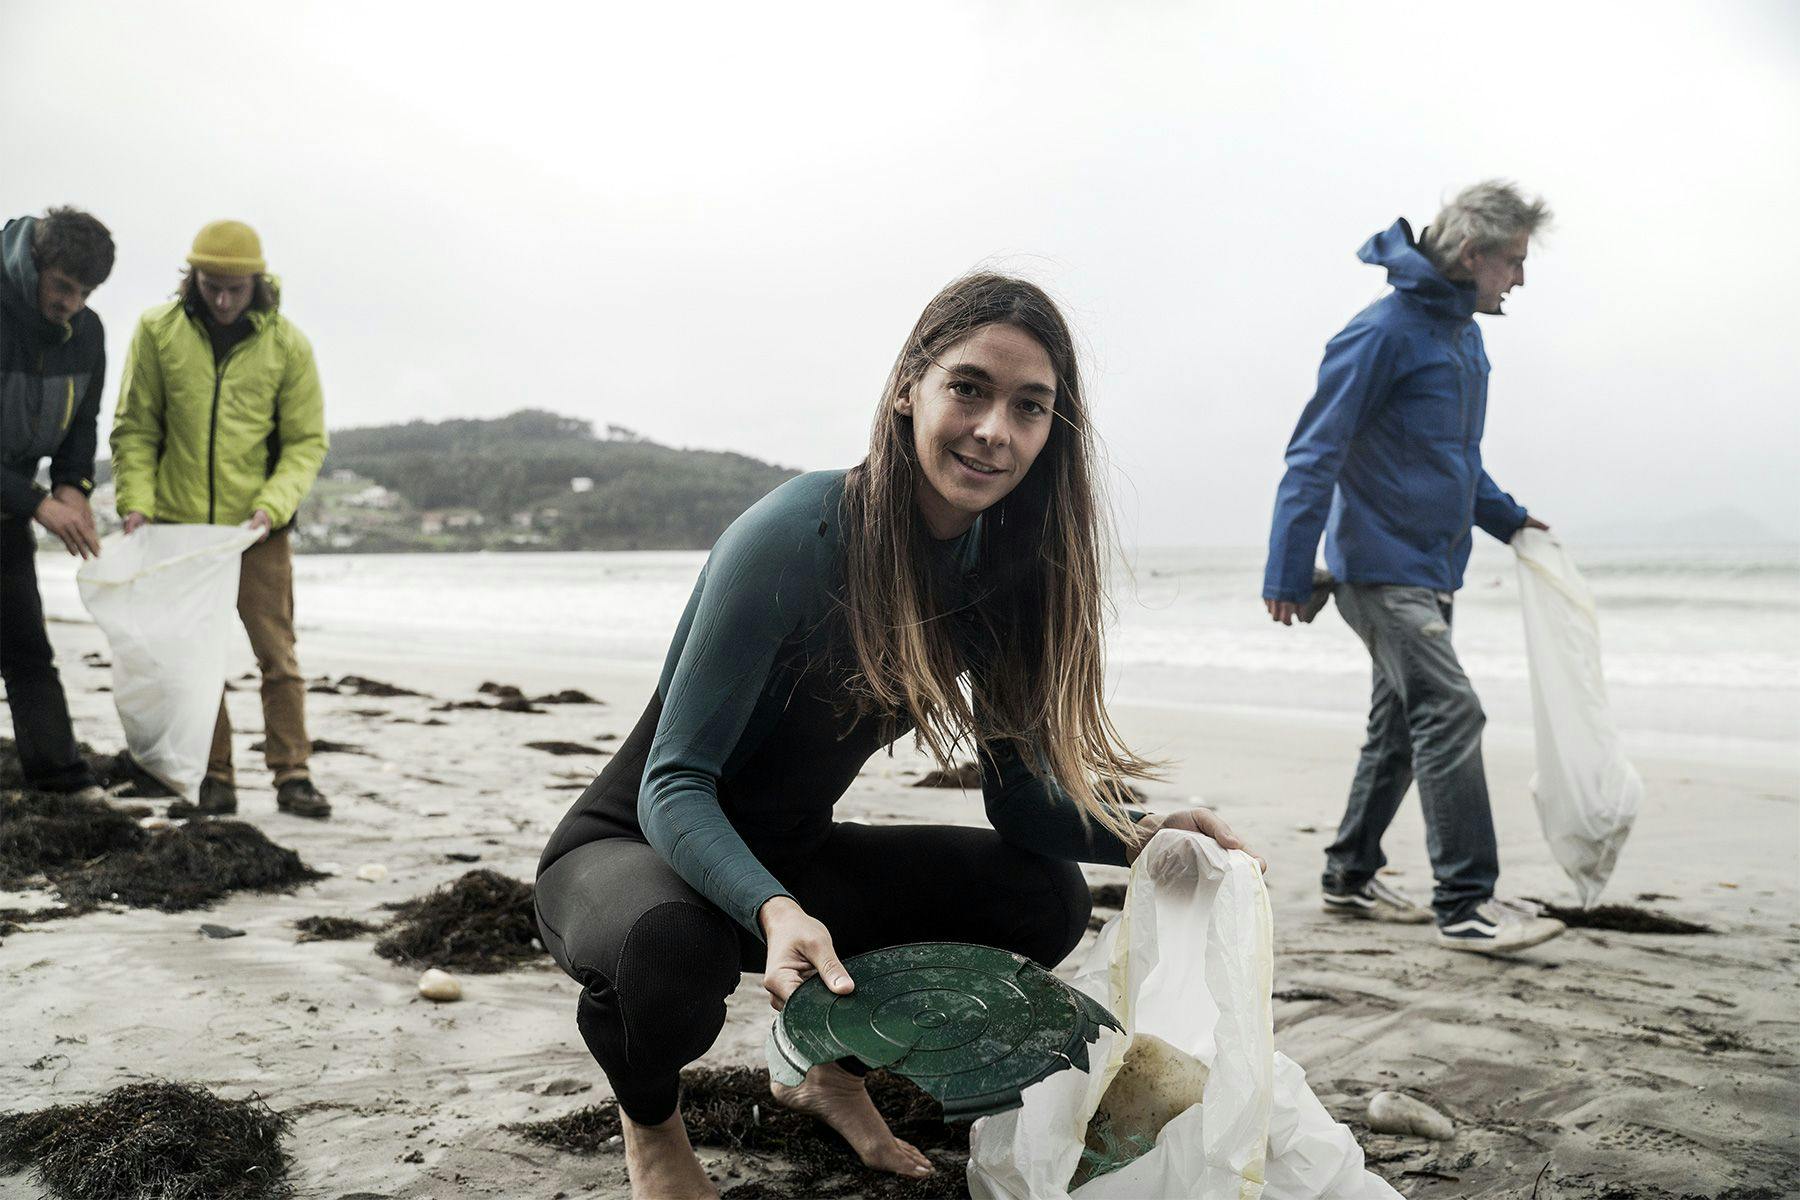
<point x="52" y="366"/>
<point x="1386" y="462"/>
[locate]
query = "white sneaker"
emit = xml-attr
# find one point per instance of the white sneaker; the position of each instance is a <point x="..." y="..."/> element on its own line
<point x="1375" y="901"/>
<point x="1499" y="928"/>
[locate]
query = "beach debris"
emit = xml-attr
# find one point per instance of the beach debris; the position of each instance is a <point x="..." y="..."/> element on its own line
<point x="565" y="748"/>
<point x="172" y="1140"/>
<point x="372" y="872"/>
<point x="516" y="704"/>
<point x="502" y="691"/>
<point x="320" y="746"/>
<point x="566" y="696"/>
<point x="1622" y="918"/>
<point x="565" y="1087"/>
<point x="1155" y="1084"/>
<point x="433" y="810"/>
<point x="1303" y="993"/>
<point x="183" y="868"/>
<point x="1306" y="829"/>
<point x="462" y="856"/>
<point x="965" y="776"/>
<point x="1392" y="1112"/>
<point x="729" y="1108"/>
<point x="332" y="929"/>
<point x="221" y="931"/>
<point x="439" y="986"/>
<point x="357" y="685"/>
<point x="481" y="924"/>
<point x="40" y="832"/>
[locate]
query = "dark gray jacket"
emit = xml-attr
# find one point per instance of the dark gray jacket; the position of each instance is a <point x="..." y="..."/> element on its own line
<point x="50" y="381"/>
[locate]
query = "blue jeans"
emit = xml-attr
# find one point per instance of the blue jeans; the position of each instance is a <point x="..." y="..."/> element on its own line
<point x="1424" y="724"/>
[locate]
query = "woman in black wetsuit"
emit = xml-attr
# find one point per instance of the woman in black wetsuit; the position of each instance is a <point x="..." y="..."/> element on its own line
<point x="842" y="611"/>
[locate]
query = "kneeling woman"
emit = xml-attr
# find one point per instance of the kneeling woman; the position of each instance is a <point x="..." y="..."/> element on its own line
<point x="839" y="613"/>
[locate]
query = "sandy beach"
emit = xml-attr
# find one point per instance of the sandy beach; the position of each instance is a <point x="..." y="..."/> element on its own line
<point x="1601" y="1065"/>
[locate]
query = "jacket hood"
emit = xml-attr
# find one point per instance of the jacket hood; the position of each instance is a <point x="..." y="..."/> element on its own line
<point x="18" y="270"/>
<point x="1412" y="274"/>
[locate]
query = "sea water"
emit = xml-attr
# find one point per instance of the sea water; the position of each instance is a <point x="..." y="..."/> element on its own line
<point x="1697" y="642"/>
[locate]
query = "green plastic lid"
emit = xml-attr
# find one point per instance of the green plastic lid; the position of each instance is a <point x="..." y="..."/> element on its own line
<point x="971" y="1025"/>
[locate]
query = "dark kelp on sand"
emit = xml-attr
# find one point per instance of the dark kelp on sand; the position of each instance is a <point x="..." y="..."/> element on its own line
<point x="481" y="923"/>
<point x="1622" y="918"/>
<point x="173" y="1141"/>
<point x="730" y="1108"/>
<point x="331" y="929"/>
<point x="94" y="856"/>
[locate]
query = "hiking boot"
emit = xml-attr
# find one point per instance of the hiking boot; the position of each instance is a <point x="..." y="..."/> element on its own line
<point x="1497" y="927"/>
<point x="217" y="799"/>
<point x="298" y="797"/>
<point x="1375" y="901"/>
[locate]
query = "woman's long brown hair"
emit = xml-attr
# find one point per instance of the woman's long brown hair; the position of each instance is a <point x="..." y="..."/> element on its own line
<point x="1039" y="678"/>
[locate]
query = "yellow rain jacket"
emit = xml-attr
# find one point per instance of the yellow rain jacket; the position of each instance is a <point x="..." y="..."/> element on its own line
<point x="198" y="444"/>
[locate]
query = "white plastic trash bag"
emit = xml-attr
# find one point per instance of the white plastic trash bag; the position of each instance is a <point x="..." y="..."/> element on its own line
<point x="166" y="598"/>
<point x="1587" y="793"/>
<point x="1206" y="1103"/>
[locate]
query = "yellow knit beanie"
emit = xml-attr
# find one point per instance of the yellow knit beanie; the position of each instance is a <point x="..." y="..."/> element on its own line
<point x="228" y="248"/>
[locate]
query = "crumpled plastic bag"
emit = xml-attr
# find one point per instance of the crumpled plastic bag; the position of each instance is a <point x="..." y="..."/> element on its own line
<point x="1587" y="792"/>
<point x="1188" y="966"/>
<point x="166" y="598"/>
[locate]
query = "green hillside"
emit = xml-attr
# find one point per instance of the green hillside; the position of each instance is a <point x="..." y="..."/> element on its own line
<point x="532" y="480"/>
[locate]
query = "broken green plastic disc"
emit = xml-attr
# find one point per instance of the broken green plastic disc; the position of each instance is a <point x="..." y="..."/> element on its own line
<point x="971" y="1025"/>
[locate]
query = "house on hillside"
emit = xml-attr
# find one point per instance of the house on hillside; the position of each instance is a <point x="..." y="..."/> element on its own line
<point x="373" y="496"/>
<point x="439" y="520"/>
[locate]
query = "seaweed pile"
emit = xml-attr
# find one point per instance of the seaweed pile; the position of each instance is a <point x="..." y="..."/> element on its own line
<point x="482" y="923"/>
<point x="730" y="1108"/>
<point x="170" y="1140"/>
<point x="331" y="929"/>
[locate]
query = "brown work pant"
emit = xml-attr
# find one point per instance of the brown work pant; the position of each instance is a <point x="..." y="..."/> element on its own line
<point x="266" y="604"/>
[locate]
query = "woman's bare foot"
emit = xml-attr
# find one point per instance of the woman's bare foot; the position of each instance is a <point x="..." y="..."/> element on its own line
<point x="662" y="1164"/>
<point x="841" y="1100"/>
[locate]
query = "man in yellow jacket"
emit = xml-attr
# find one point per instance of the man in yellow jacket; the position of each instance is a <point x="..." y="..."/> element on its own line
<point x="221" y="422"/>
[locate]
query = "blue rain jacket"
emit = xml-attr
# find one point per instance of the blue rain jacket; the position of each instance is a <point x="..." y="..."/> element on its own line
<point x="1386" y="459"/>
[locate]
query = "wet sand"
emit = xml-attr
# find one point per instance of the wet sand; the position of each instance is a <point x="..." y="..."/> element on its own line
<point x="1607" y="1064"/>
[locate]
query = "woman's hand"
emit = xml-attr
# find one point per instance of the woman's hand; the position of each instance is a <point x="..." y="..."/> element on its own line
<point x="799" y="948"/>
<point x="1195" y="820"/>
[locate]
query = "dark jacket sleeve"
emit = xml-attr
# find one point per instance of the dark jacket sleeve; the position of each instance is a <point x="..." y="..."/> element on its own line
<point x="1495" y="511"/>
<point x="73" y="462"/>
<point x="19" y="496"/>
<point x="750" y="599"/>
<point x="1354" y="379"/>
<point x="1029" y="811"/>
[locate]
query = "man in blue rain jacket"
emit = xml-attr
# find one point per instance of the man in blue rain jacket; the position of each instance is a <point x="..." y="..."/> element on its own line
<point x="1386" y="463"/>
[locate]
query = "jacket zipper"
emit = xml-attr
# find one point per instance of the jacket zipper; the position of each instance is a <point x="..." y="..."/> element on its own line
<point x="212" y="446"/>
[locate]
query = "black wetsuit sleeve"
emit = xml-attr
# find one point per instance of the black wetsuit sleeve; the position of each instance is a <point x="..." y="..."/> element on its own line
<point x="1029" y="811"/>
<point x="756" y="590"/>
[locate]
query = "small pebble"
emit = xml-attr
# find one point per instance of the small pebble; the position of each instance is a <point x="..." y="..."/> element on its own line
<point x="440" y="986"/>
<point x="373" y="872"/>
<point x="1391" y="1112"/>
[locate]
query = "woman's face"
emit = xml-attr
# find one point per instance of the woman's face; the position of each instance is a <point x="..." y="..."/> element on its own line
<point x="981" y="415"/>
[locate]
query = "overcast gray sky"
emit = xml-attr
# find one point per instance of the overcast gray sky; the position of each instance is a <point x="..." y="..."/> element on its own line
<point x="715" y="223"/>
